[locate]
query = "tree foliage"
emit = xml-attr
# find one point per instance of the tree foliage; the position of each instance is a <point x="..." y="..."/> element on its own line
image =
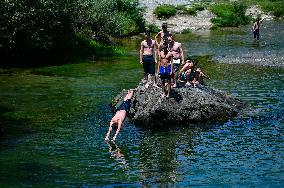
<point x="54" y="25"/>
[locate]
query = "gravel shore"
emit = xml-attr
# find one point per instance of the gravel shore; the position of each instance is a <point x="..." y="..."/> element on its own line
<point x="179" y="23"/>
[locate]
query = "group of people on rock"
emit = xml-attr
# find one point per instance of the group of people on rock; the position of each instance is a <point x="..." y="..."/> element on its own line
<point x="169" y="56"/>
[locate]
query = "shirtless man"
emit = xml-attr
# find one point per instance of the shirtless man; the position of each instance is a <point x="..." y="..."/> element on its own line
<point x="120" y="115"/>
<point x="147" y="50"/>
<point x="165" y="68"/>
<point x="187" y="71"/>
<point x="178" y="57"/>
<point x="163" y="34"/>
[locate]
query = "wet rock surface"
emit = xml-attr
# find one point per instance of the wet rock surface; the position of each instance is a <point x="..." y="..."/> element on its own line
<point x="186" y="105"/>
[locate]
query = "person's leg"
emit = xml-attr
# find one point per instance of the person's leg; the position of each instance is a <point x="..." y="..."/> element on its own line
<point x="175" y="75"/>
<point x="109" y="131"/>
<point x="129" y="94"/>
<point x="146" y="68"/>
<point x="169" y="87"/>
<point x="163" y="88"/>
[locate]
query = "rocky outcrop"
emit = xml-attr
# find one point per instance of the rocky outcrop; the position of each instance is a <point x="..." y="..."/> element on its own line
<point x="186" y="105"/>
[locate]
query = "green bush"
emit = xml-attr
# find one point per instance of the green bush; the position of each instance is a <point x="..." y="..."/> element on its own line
<point x="165" y="11"/>
<point x="230" y="15"/>
<point x="186" y="31"/>
<point x="192" y="10"/>
<point x="276" y="7"/>
<point x="153" y="28"/>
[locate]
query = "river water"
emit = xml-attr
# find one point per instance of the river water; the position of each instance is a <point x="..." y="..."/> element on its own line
<point x="54" y="119"/>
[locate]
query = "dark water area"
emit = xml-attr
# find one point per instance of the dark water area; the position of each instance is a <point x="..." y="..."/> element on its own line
<point x="54" y="120"/>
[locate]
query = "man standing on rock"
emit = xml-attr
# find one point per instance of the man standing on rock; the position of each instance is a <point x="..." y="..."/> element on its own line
<point x="165" y="69"/>
<point x="147" y="51"/>
<point x="178" y="57"/>
<point x="163" y="34"/>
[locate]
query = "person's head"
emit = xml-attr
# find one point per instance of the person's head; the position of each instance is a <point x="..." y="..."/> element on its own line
<point x="188" y="60"/>
<point x="147" y="34"/>
<point x="164" y="48"/>
<point x="164" y="26"/>
<point x="164" y="61"/>
<point x="170" y="39"/>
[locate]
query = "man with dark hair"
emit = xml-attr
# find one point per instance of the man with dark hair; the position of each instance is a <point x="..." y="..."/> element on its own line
<point x="147" y="51"/>
<point x="163" y="34"/>
<point x="187" y="71"/>
<point x="120" y="114"/>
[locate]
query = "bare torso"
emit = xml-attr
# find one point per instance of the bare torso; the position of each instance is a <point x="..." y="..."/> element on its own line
<point x="175" y="49"/>
<point x="147" y="47"/>
<point x="165" y="58"/>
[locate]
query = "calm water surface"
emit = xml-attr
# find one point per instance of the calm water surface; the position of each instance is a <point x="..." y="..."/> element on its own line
<point x="54" y="120"/>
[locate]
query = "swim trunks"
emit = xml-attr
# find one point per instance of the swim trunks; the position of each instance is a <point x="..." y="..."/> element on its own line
<point x="124" y="106"/>
<point x="176" y="64"/>
<point x="165" y="72"/>
<point x="148" y="64"/>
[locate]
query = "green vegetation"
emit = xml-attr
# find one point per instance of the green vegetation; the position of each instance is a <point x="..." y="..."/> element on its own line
<point x="165" y="11"/>
<point x="275" y="7"/>
<point x="230" y="14"/>
<point x="186" y="31"/>
<point x="34" y="28"/>
<point x="153" y="28"/>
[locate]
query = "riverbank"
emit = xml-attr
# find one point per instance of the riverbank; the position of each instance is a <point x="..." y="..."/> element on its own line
<point x="181" y="22"/>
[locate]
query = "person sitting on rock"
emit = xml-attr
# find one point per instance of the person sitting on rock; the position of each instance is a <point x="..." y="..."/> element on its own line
<point x="187" y="71"/>
<point x="165" y="68"/>
<point x="199" y="77"/>
<point x="120" y="114"/>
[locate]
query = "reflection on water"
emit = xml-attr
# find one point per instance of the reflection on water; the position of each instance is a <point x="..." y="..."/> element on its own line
<point x="117" y="154"/>
<point x="54" y="121"/>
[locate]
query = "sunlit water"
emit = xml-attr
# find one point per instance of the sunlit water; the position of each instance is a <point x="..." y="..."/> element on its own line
<point x="54" y="121"/>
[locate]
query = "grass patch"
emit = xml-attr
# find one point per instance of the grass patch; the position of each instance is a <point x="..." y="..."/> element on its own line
<point x="165" y="11"/>
<point x="186" y="31"/>
<point x="153" y="28"/>
<point x="230" y="14"/>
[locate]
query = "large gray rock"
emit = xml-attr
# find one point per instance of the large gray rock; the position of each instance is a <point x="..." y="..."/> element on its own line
<point x="186" y="105"/>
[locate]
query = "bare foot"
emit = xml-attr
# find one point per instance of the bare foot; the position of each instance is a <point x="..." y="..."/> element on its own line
<point x="147" y="85"/>
<point x="168" y="96"/>
<point x="163" y="95"/>
<point x="174" y="86"/>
